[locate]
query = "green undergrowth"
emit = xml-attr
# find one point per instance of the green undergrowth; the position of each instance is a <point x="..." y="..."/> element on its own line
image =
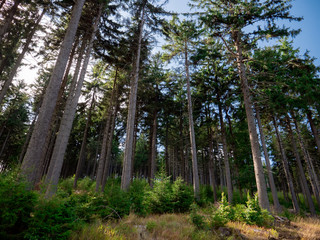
<point x="213" y="217"/>
<point x="29" y="215"/>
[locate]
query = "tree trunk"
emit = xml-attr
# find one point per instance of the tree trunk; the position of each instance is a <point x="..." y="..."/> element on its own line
<point x="8" y="19"/>
<point x="13" y="71"/>
<point x="256" y="154"/>
<point x="301" y="170"/>
<point x="286" y="169"/>
<point x="225" y="154"/>
<point x="82" y="157"/>
<point x="153" y="148"/>
<point x="313" y="177"/>
<point x="103" y="153"/>
<point x="35" y="149"/>
<point x="59" y="109"/>
<point x="109" y="145"/>
<point x="276" y="203"/>
<point x="5" y="143"/>
<point x="68" y="117"/>
<point x="128" y="151"/>
<point x="166" y="153"/>
<point x="195" y="174"/>
<point x="314" y="130"/>
<point x="233" y="147"/>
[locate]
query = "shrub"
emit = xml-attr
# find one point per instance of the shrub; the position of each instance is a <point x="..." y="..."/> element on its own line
<point x="182" y="196"/>
<point x="197" y="219"/>
<point x="253" y="214"/>
<point x="225" y="210"/>
<point x="159" y="199"/>
<point x="137" y="193"/>
<point x="16" y="206"/>
<point x="52" y="219"/>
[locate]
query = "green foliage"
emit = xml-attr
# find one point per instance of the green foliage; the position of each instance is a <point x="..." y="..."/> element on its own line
<point x="213" y="218"/>
<point x="137" y="193"/>
<point x="159" y="198"/>
<point x="52" y="219"/>
<point x="151" y="225"/>
<point x="182" y="196"/>
<point x="197" y="219"/>
<point x="16" y="206"/>
<point x="167" y="197"/>
<point x="253" y="214"/>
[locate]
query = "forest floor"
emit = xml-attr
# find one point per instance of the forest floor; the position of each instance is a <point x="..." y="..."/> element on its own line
<point x="179" y="227"/>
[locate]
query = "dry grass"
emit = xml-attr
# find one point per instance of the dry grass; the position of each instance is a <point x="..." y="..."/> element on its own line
<point x="309" y="228"/>
<point x="253" y="232"/>
<point x="166" y="227"/>
<point x="179" y="227"/>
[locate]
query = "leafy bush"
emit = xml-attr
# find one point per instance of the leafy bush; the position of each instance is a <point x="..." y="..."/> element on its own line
<point x="197" y="219"/>
<point x="253" y="214"/>
<point x="159" y="199"/>
<point x="16" y="206"/>
<point x="52" y="219"/>
<point x="137" y="193"/>
<point x="166" y="197"/>
<point x="182" y="196"/>
<point x="112" y="204"/>
<point x="225" y="210"/>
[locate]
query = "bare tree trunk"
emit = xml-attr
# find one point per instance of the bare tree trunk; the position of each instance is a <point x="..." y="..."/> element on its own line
<point x="286" y="169"/>
<point x="59" y="109"/>
<point x="68" y="117"/>
<point x="256" y="154"/>
<point x="301" y="171"/>
<point x="276" y="203"/>
<point x="102" y="158"/>
<point x="5" y="142"/>
<point x="314" y="130"/>
<point x="225" y="154"/>
<point x="13" y="71"/>
<point x="35" y="149"/>
<point x="313" y="177"/>
<point x="195" y="174"/>
<point x="8" y="19"/>
<point x="166" y="153"/>
<point x="211" y="168"/>
<point x="82" y="157"/>
<point x="153" y="148"/>
<point x="109" y="146"/>
<point x="128" y="151"/>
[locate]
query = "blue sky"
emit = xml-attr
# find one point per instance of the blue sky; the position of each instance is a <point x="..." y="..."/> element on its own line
<point x="308" y="39"/>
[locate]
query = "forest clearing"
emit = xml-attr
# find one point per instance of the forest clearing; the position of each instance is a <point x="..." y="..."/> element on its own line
<point x="138" y="121"/>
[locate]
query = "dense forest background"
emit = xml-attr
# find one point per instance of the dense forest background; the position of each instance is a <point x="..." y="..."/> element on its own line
<point x="212" y="108"/>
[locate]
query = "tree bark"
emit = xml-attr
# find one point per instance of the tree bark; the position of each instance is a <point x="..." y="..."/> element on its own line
<point x="68" y="116"/>
<point x="313" y="177"/>
<point x="256" y="154"/>
<point x="225" y="154"/>
<point x="109" y="145"/>
<point x="13" y="71"/>
<point x="301" y="171"/>
<point x="286" y="169"/>
<point x="276" y="203"/>
<point x="128" y="151"/>
<point x="103" y="153"/>
<point x="314" y="130"/>
<point x="153" y="148"/>
<point x="195" y="174"/>
<point x="35" y="149"/>
<point x="82" y="157"/>
<point x="59" y="108"/>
